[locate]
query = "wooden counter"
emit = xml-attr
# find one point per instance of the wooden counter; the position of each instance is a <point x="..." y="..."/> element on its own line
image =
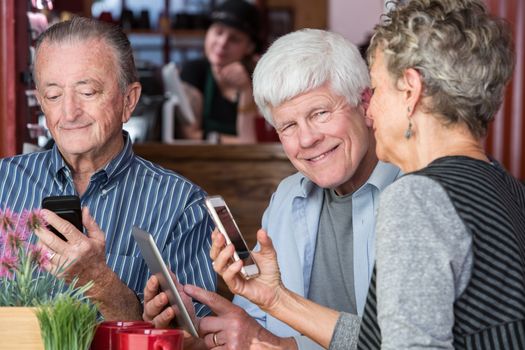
<point x="245" y="175"/>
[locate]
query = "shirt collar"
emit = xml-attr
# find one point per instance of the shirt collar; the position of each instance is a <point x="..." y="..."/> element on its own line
<point x="306" y="186"/>
<point x="117" y="165"/>
<point x="123" y="160"/>
<point x="382" y="176"/>
<point x="57" y="162"/>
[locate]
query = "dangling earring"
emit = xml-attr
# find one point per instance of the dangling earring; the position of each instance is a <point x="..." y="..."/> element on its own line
<point x="408" y="132"/>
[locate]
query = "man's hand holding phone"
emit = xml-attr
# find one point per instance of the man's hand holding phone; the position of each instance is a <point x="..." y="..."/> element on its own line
<point x="158" y="311"/>
<point x="81" y="255"/>
<point x="84" y="256"/>
<point x="156" y="304"/>
<point x="263" y="290"/>
<point x="68" y="208"/>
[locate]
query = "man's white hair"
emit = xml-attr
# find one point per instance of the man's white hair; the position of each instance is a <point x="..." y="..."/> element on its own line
<point x="304" y="60"/>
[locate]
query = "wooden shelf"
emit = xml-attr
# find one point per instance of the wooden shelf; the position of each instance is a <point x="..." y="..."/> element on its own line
<point x="186" y="33"/>
<point x="167" y="41"/>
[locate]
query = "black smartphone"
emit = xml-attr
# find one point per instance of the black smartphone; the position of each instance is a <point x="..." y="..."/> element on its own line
<point x="68" y="208"/>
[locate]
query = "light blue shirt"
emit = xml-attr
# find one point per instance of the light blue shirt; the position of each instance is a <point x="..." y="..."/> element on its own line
<point x="292" y="221"/>
<point x="128" y="191"/>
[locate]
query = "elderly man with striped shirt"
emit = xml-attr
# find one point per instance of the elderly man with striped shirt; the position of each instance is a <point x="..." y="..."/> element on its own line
<point x="87" y="87"/>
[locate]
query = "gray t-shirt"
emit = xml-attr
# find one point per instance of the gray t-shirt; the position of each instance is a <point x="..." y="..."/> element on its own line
<point x="332" y="279"/>
<point x="423" y="261"/>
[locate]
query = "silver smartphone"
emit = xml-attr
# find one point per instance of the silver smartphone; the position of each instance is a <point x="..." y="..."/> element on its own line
<point x="153" y="258"/>
<point x="223" y="219"/>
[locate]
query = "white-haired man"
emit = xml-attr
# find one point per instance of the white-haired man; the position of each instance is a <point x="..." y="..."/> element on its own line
<point x="312" y="86"/>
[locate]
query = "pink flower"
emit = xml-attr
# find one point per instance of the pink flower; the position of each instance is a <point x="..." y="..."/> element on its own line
<point x="38" y="256"/>
<point x="5" y="273"/>
<point x="14" y="240"/>
<point x="31" y="220"/>
<point x="15" y="231"/>
<point x="8" y="220"/>
<point x="8" y="264"/>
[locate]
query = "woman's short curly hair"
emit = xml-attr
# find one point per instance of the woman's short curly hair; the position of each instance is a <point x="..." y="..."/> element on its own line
<point x="463" y="54"/>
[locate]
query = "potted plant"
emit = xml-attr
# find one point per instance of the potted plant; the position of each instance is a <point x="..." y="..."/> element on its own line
<point x="37" y="309"/>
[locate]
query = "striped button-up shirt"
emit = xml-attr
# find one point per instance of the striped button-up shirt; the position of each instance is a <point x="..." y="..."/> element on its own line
<point x="129" y="191"/>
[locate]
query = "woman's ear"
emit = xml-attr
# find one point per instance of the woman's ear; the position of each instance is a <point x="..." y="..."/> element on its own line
<point x="412" y="84"/>
<point x="366" y="95"/>
<point x="131" y="98"/>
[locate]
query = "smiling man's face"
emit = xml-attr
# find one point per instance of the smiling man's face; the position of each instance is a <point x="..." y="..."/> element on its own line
<point x="78" y="90"/>
<point x="325" y="138"/>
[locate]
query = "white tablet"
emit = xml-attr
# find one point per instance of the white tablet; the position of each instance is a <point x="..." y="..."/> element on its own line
<point x="151" y="254"/>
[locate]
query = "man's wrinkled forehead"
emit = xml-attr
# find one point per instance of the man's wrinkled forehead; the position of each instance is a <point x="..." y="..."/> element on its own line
<point x="96" y="46"/>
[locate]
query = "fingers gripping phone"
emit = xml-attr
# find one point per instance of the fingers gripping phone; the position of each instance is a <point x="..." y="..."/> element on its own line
<point x="68" y="208"/>
<point x="223" y="219"/>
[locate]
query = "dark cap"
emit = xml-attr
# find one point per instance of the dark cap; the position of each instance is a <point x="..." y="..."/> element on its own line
<point x="240" y="15"/>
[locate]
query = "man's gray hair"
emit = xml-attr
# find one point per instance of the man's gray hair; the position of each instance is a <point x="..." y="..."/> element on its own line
<point x="81" y="29"/>
<point x="304" y="60"/>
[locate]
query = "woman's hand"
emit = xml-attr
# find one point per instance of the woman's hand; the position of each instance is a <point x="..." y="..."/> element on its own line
<point x="267" y="291"/>
<point x="263" y="290"/>
<point x="259" y="345"/>
<point x="233" y="76"/>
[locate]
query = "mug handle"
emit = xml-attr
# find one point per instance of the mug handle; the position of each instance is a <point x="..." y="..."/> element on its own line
<point x="162" y="344"/>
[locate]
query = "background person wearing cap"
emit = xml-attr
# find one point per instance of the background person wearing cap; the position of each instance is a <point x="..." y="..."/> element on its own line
<point x="219" y="85"/>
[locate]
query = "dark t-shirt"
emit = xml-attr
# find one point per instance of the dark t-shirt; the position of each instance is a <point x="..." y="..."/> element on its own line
<point x="332" y="279"/>
<point x="222" y="116"/>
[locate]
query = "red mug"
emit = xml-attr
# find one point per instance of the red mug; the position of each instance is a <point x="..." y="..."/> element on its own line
<point x="105" y="334"/>
<point x="149" y="339"/>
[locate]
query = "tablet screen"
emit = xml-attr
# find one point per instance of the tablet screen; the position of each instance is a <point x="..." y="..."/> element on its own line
<point x="151" y="254"/>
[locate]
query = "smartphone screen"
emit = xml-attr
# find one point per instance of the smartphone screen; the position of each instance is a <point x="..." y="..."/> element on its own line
<point x="68" y="208"/>
<point x="223" y="219"/>
<point x="234" y="234"/>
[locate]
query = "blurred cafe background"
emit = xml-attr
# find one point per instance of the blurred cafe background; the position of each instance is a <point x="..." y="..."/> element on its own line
<point x="166" y="33"/>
